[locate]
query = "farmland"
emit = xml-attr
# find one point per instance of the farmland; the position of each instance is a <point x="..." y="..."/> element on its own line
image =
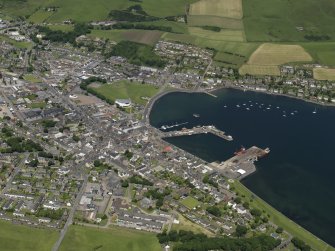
<point x="272" y="70"/>
<point x="285" y="21"/>
<point x="22" y="238"/>
<point x="221" y="22"/>
<point x="223" y="35"/>
<point x="324" y="74"/>
<point x="221" y="8"/>
<point x="277" y="54"/>
<point x="122" y="90"/>
<point x="113" y="239"/>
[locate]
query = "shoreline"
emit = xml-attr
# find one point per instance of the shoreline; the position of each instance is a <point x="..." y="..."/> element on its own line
<point x="297" y="230"/>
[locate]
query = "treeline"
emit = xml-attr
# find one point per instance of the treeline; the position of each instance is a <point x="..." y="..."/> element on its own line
<point x="85" y="83"/>
<point x="300" y="244"/>
<point x="134" y="13"/>
<point x="136" y="179"/>
<point x="65" y="37"/>
<point x="317" y="37"/>
<point x="189" y="241"/>
<point x="49" y="213"/>
<point x="138" y="54"/>
<point x="128" y="26"/>
<point x="211" y="28"/>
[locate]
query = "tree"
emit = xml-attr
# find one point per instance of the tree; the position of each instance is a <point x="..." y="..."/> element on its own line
<point x="241" y="230"/>
<point x="279" y="230"/>
<point x="214" y="210"/>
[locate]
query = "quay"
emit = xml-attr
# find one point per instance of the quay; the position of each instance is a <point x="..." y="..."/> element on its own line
<point x="211" y="94"/>
<point x="198" y="130"/>
<point x="242" y="164"/>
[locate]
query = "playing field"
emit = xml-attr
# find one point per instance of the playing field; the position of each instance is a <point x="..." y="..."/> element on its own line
<point x="222" y="22"/>
<point x="223" y="35"/>
<point x="113" y="239"/>
<point x="31" y="78"/>
<point x="279" y="20"/>
<point x="190" y="202"/>
<point x="271" y="70"/>
<point x="324" y="74"/>
<point x="23" y="238"/>
<point x="20" y="45"/>
<point x="220" y="8"/>
<point x="136" y="92"/>
<point x="277" y="54"/>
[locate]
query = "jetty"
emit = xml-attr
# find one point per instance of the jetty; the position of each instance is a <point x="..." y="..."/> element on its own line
<point x="198" y="130"/>
<point x="242" y="163"/>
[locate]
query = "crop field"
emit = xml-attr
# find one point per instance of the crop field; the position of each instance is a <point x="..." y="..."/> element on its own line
<point x="113" y="239"/>
<point x="324" y="74"/>
<point x="220" y="8"/>
<point x="223" y="35"/>
<point x="164" y="8"/>
<point x="278" y="20"/>
<point x="277" y="54"/>
<point x="222" y="22"/>
<point x="271" y="70"/>
<point x="23" y="238"/>
<point x="144" y="37"/>
<point x="190" y="202"/>
<point x="136" y="92"/>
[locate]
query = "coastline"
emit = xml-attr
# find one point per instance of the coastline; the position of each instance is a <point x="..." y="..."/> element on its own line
<point x="277" y="217"/>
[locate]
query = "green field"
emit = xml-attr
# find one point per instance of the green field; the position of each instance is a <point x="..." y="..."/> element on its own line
<point x="322" y="52"/>
<point x="23" y="238"/>
<point x="140" y="36"/>
<point x="40" y="16"/>
<point x="281" y="220"/>
<point x="222" y="22"/>
<point x="20" y="45"/>
<point x="113" y="239"/>
<point x="31" y="78"/>
<point x="125" y="89"/>
<point x="83" y="11"/>
<point x="61" y="27"/>
<point x="223" y="35"/>
<point x="190" y="202"/>
<point x="277" y="20"/>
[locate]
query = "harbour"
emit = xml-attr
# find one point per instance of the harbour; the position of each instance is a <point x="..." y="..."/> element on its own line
<point x="299" y="167"/>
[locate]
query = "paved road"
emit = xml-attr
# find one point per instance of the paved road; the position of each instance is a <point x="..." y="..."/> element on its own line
<point x="70" y="218"/>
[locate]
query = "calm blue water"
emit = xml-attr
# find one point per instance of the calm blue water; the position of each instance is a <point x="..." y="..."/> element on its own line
<point x="297" y="177"/>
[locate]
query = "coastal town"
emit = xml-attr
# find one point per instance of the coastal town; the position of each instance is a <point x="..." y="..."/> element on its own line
<point x="71" y="155"/>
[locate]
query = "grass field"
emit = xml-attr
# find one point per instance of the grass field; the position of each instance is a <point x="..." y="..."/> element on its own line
<point x="113" y="239"/>
<point x="23" y="238"/>
<point x="223" y="35"/>
<point x="20" y="45"/>
<point x="139" y="36"/>
<point x="324" y="74"/>
<point x="31" y="78"/>
<point x="126" y="89"/>
<point x="84" y="11"/>
<point x="185" y="224"/>
<point x="222" y="22"/>
<point x="276" y="20"/>
<point x="61" y="27"/>
<point x="190" y="202"/>
<point x="271" y="70"/>
<point x="144" y="37"/>
<point x="220" y="8"/>
<point x="282" y="221"/>
<point x="277" y="54"/>
<point x="40" y="16"/>
<point x="322" y="52"/>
